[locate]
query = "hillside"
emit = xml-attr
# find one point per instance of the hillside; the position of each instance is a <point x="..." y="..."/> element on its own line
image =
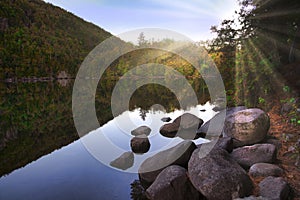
<point x="39" y="39"/>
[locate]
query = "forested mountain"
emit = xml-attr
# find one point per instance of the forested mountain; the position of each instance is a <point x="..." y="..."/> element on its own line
<point x="39" y="39"/>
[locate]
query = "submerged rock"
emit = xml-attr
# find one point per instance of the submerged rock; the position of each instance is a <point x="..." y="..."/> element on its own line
<point x="124" y="162"/>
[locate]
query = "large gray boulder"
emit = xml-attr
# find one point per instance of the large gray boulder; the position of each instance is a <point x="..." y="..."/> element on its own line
<point x="274" y="188"/>
<point x="218" y="119"/>
<point x="123" y="162"/>
<point x="172" y="184"/>
<point x="142" y="130"/>
<point x="264" y="170"/>
<point x="259" y="153"/>
<point x="217" y="176"/>
<point x="177" y="155"/>
<point x="247" y="127"/>
<point x="140" y="144"/>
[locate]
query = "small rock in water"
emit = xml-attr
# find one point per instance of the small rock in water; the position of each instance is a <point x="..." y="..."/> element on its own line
<point x="166" y="119"/>
<point x="140" y="144"/>
<point x="202" y="110"/>
<point x="142" y="130"/>
<point x="124" y="162"/>
<point x="169" y="130"/>
<point x="184" y="126"/>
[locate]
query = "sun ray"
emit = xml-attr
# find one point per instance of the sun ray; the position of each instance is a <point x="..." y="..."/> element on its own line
<point x="272" y="74"/>
<point x="279" y="13"/>
<point x="274" y="30"/>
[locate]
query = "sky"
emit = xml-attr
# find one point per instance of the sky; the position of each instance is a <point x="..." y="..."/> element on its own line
<point x="192" y="18"/>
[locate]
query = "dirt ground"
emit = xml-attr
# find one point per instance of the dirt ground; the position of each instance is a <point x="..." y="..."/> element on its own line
<point x="288" y="134"/>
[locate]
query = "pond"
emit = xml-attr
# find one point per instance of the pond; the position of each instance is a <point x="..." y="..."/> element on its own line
<point x="42" y="156"/>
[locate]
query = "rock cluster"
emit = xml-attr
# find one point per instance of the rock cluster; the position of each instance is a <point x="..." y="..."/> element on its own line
<point x="221" y="169"/>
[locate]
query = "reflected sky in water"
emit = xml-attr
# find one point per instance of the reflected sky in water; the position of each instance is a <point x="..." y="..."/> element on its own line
<point x="73" y="173"/>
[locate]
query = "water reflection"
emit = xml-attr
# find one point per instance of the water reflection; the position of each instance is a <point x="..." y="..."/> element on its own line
<point x="72" y="173"/>
<point x="115" y="138"/>
<point x="36" y="119"/>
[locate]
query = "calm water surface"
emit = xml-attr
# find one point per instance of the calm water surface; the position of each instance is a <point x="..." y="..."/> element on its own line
<point x="42" y="157"/>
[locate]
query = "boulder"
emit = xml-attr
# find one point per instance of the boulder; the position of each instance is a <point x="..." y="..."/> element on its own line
<point x="188" y="121"/>
<point x="169" y="130"/>
<point x="225" y="143"/>
<point x="140" y="144"/>
<point x="142" y="130"/>
<point x="274" y="188"/>
<point x="218" y="119"/>
<point x="247" y="127"/>
<point x="166" y="119"/>
<point x="124" y="162"/>
<point x="264" y="170"/>
<point x="217" y="176"/>
<point x="184" y="126"/>
<point x="172" y="184"/>
<point x="259" y="153"/>
<point x="177" y="155"/>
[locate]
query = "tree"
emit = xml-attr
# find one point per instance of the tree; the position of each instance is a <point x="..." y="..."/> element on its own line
<point x="141" y="40"/>
<point x="249" y="48"/>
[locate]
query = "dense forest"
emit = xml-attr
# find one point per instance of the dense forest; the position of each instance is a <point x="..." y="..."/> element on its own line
<point x="39" y="39"/>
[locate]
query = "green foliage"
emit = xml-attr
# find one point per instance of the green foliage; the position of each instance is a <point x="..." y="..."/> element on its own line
<point x="259" y="45"/>
<point x="41" y="39"/>
<point x="261" y="100"/>
<point x="286" y="88"/>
